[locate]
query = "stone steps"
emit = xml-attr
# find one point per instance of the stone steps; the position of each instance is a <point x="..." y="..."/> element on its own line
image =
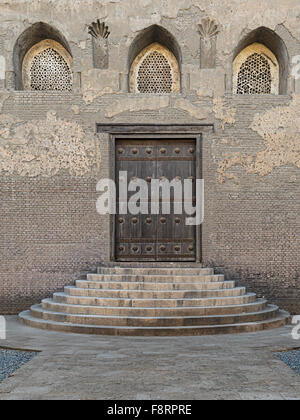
<point x="196" y="278"/>
<point x="279" y="321"/>
<point x="113" y="285"/>
<point x="258" y="305"/>
<point x="153" y="264"/>
<point x="117" y="321"/>
<point x="149" y="294"/>
<point x="154" y="301"/>
<point x="155" y="271"/>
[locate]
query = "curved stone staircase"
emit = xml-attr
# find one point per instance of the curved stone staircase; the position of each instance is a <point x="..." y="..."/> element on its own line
<point x="155" y="301"/>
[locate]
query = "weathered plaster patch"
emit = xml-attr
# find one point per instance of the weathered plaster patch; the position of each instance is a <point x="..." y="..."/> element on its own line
<point x="279" y="128"/>
<point x="205" y="92"/>
<point x="82" y="45"/>
<point x="223" y="113"/>
<point x="196" y="112"/>
<point x="137" y="24"/>
<point x="89" y="96"/>
<point x="137" y="104"/>
<point x="2" y="67"/>
<point x="75" y="109"/>
<point x="157" y="10"/>
<point x="3" y="98"/>
<point x="44" y="147"/>
<point x="96" y="83"/>
<point x="231" y="141"/>
<point x="206" y="82"/>
<point x="234" y="160"/>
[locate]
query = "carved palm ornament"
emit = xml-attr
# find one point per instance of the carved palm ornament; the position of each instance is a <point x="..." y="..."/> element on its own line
<point x="100" y="33"/>
<point x="99" y="30"/>
<point x="208" y="30"/>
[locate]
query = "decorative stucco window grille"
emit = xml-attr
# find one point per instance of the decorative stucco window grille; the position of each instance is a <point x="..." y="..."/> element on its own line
<point x="255" y="71"/>
<point x="155" y="70"/>
<point x="47" y="66"/>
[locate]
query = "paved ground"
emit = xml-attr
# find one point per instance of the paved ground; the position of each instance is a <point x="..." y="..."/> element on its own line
<point x="74" y="366"/>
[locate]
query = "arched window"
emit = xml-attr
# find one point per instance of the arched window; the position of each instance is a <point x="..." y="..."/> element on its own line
<point x="47" y="66"/>
<point x="155" y="70"/>
<point x="255" y="71"/>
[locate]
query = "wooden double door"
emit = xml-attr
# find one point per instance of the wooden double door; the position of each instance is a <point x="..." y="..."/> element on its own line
<point x="148" y="236"/>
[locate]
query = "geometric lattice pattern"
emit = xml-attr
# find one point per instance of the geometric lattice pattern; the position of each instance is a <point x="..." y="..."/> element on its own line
<point x="49" y="71"/>
<point x="254" y="76"/>
<point x="155" y="74"/>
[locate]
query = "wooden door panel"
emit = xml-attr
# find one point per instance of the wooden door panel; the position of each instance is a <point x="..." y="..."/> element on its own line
<point x="162" y="237"/>
<point x="176" y="160"/>
<point x="136" y="236"/>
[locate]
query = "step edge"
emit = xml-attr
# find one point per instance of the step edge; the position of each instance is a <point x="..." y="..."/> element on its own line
<point x="269" y="309"/>
<point x="282" y="315"/>
<point x="61" y="294"/>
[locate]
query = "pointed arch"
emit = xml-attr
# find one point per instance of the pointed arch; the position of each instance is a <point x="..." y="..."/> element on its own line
<point x="157" y="45"/>
<point x="32" y="36"/>
<point x="155" y="70"/>
<point x="47" y="66"/>
<point x="256" y="71"/>
<point x="270" y="48"/>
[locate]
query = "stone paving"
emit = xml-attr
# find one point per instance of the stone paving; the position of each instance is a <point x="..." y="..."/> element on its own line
<point x="72" y="366"/>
